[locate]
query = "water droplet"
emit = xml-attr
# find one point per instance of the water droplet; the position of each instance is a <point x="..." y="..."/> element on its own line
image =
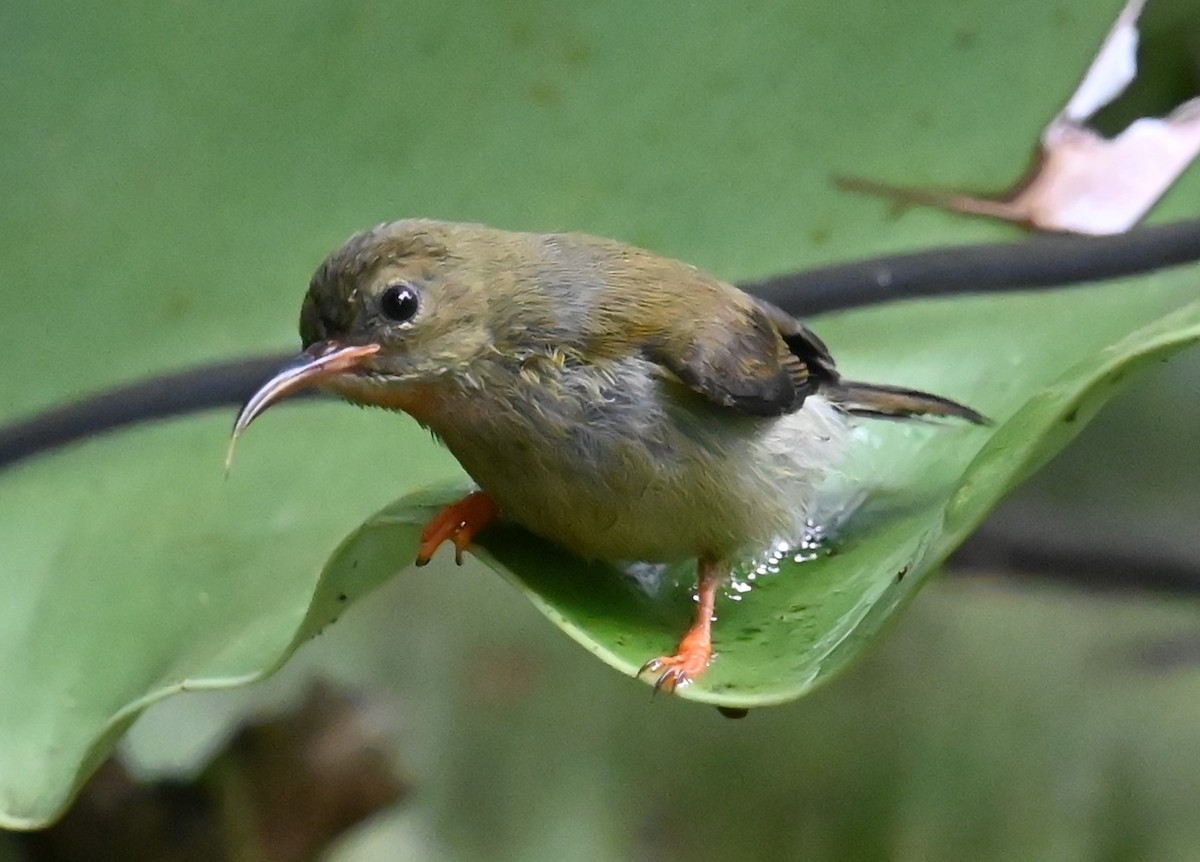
<point x="650" y="577"/>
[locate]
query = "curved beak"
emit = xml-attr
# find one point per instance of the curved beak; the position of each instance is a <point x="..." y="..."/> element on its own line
<point x="314" y="366"/>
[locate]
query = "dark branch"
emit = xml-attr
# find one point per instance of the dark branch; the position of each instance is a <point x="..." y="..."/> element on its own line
<point x="205" y="387"/>
<point x="1058" y="553"/>
<point x="1037" y="263"/>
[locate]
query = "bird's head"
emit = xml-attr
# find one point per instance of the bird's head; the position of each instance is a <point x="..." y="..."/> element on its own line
<point x="391" y="315"/>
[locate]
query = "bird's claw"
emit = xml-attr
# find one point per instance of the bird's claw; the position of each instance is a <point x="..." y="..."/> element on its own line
<point x="460" y="538"/>
<point x="678" y="670"/>
<point x="458" y="523"/>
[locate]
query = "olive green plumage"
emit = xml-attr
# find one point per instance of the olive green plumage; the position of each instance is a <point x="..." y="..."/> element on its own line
<point x="619" y="403"/>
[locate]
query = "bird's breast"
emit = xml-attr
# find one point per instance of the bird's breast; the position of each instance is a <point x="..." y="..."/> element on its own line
<point x="611" y="461"/>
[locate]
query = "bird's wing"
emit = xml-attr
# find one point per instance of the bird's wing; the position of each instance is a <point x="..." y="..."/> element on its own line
<point x="759" y="360"/>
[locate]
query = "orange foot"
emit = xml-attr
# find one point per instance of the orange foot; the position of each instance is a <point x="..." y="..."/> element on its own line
<point x="458" y="523"/>
<point x="686" y="665"/>
<point x="695" y="651"/>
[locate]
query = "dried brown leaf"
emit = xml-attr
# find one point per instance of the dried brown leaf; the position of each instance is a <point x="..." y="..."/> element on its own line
<point x="1081" y="181"/>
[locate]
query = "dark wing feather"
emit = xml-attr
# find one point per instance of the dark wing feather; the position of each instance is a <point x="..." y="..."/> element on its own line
<point x="757" y="360"/>
<point x="803" y="346"/>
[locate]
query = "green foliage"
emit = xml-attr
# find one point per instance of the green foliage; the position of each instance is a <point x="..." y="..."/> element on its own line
<point x="173" y="172"/>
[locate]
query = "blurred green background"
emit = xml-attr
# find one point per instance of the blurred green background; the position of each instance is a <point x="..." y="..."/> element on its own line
<point x="172" y="172"/>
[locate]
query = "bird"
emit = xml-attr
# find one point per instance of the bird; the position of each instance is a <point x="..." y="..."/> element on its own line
<point x="622" y="405"/>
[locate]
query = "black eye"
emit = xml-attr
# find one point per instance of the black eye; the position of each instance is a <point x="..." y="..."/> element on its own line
<point x="399" y="302"/>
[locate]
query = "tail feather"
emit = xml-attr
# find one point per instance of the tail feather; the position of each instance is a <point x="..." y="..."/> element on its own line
<point x="895" y="402"/>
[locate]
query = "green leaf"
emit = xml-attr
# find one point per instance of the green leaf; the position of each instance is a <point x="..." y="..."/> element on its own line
<point x="791" y="628"/>
<point x="192" y="582"/>
<point x="173" y="174"/>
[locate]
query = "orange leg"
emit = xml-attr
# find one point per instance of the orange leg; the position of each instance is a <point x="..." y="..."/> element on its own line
<point x="695" y="650"/>
<point x="458" y="523"/>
